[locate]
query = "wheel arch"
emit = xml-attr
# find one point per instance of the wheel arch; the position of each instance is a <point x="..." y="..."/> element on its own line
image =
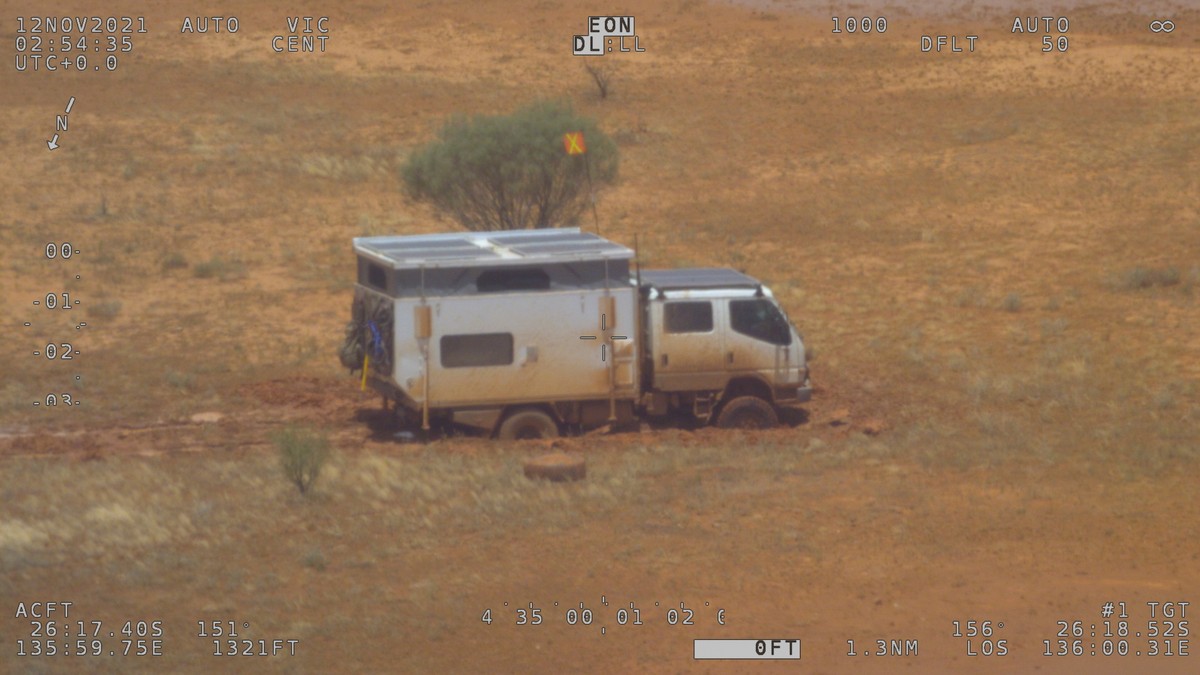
<point x="748" y="385"/>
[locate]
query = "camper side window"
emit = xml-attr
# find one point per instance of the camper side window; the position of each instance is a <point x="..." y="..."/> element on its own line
<point x="481" y="349"/>
<point x="376" y="277"/>
<point x="688" y="317"/>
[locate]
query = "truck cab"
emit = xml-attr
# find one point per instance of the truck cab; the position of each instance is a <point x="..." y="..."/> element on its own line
<point x="719" y="347"/>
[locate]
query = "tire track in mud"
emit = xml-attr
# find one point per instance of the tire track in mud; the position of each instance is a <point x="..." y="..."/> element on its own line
<point x="352" y="419"/>
<point x="264" y="406"/>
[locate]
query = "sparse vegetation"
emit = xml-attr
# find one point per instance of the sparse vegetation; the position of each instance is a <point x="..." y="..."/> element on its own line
<point x="220" y="268"/>
<point x="179" y="380"/>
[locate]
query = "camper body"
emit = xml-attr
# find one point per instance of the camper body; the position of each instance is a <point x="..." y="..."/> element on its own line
<point x="530" y="333"/>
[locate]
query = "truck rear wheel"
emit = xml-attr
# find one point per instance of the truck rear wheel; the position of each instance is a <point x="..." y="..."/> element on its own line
<point x="526" y="424"/>
<point x="747" y="412"/>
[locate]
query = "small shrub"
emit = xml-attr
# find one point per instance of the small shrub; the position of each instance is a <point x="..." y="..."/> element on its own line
<point x="971" y="296"/>
<point x="1053" y="327"/>
<point x="175" y="261"/>
<point x="1140" y="278"/>
<point x="302" y="453"/>
<point x="219" y="268"/>
<point x="1164" y="399"/>
<point x="601" y="74"/>
<point x="105" y="310"/>
<point x="316" y="560"/>
<point x="209" y="269"/>
<point x="1012" y="302"/>
<point x="179" y="380"/>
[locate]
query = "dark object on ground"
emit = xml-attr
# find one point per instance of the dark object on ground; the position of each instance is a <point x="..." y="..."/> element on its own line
<point x="556" y="466"/>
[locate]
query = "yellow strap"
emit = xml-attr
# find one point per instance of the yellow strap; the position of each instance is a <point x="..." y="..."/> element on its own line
<point x="366" y="360"/>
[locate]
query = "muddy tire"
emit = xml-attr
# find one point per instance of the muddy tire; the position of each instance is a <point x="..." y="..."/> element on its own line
<point x="556" y="466"/>
<point x="527" y="424"/>
<point x="747" y="412"/>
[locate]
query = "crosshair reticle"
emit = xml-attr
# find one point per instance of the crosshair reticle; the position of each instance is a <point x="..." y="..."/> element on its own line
<point x="604" y="329"/>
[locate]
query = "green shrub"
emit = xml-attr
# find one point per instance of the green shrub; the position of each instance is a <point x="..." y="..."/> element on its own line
<point x="508" y="172"/>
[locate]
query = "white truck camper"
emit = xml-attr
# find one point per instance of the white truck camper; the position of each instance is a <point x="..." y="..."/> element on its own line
<point x="533" y="333"/>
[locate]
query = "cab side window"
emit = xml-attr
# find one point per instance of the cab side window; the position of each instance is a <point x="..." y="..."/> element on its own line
<point x="688" y="317"/>
<point x="761" y="320"/>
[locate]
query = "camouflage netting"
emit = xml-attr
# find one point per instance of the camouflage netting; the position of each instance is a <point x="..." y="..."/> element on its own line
<point x="369" y="332"/>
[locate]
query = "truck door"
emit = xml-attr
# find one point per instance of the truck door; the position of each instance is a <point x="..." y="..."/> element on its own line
<point x="759" y="340"/>
<point x="687" y="344"/>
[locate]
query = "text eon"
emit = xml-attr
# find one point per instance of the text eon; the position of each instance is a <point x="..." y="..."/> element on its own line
<point x="601" y="31"/>
<point x="313" y="35"/>
<point x="611" y="26"/>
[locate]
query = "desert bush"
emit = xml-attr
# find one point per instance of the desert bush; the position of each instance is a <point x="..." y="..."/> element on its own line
<point x="602" y="74"/>
<point x="302" y="453"/>
<point x="106" y="309"/>
<point x="220" y="268"/>
<point x="315" y="559"/>
<point x="508" y="172"/>
<point x="1145" y="277"/>
<point x="174" y="261"/>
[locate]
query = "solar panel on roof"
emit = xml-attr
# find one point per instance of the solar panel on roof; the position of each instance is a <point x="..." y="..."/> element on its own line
<point x="540" y="236"/>
<point x="491" y="248"/>
<point x="445" y="254"/>
<point x="430" y="243"/>
<point x="566" y="247"/>
<point x="712" y="277"/>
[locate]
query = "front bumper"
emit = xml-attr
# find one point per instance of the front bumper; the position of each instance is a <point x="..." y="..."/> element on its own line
<point x="802" y="394"/>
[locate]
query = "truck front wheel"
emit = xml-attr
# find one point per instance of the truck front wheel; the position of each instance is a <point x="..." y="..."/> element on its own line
<point x="747" y="412"/>
<point x="526" y="424"/>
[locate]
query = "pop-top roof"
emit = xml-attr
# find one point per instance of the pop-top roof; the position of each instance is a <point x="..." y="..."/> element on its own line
<point x="697" y="278"/>
<point x="474" y="249"/>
